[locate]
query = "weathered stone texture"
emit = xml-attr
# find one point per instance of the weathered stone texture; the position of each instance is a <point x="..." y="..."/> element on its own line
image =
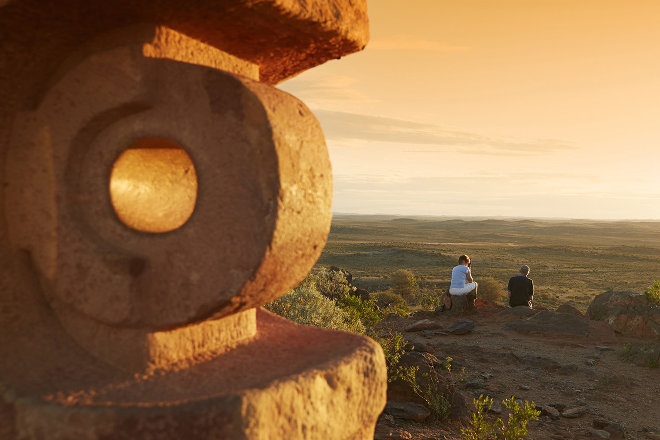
<point x="290" y="382"/>
<point x="115" y="325"/>
<point x="263" y="207"/>
<point x="627" y="313"/>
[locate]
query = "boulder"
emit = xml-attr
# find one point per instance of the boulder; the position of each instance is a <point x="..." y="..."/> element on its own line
<point x="627" y="313"/>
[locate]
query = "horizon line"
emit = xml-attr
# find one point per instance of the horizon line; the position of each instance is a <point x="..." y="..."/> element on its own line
<point x="496" y="217"/>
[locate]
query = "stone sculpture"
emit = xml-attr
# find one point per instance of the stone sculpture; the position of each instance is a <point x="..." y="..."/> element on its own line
<point x="157" y="190"/>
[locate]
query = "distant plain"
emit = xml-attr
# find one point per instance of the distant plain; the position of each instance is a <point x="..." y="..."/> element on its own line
<point x="571" y="260"/>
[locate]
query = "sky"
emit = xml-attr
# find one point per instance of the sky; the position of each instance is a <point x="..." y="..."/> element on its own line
<point x="516" y="108"/>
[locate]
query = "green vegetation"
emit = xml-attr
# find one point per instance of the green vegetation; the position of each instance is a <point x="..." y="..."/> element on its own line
<point x="493" y="290"/>
<point x="653" y="292"/>
<point x="330" y="283"/>
<point x="404" y="283"/>
<point x="643" y="354"/>
<point x="359" y="310"/>
<point x="392" y="303"/>
<point x="428" y="299"/>
<point x="393" y="344"/>
<point x="571" y="261"/>
<point x="305" y="305"/>
<point x="515" y="428"/>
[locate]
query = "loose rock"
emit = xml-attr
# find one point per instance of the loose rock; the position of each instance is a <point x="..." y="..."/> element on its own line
<point x="424" y="324"/>
<point x="407" y="410"/>
<point x="574" y="413"/>
<point x="547" y="410"/>
<point x="461" y="327"/>
<point x="616" y="430"/>
<point x="598" y="433"/>
<point x="431" y="333"/>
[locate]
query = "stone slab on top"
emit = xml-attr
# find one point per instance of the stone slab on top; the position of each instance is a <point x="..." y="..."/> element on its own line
<point x="282" y="37"/>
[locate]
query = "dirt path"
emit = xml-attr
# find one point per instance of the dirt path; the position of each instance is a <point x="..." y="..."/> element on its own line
<point x="564" y="370"/>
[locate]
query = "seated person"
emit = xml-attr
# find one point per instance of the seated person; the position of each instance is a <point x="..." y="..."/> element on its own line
<point x="521" y="289"/>
<point x="461" y="278"/>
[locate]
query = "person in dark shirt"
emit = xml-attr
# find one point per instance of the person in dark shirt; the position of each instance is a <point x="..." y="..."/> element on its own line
<point x="521" y="289"/>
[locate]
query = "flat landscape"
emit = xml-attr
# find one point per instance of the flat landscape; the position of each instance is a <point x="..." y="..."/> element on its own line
<point x="571" y="260"/>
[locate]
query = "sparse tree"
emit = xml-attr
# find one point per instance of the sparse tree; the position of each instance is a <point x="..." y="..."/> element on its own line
<point x="404" y="283"/>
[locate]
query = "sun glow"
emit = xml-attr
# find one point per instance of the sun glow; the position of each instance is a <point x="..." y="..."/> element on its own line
<point x="153" y="186"/>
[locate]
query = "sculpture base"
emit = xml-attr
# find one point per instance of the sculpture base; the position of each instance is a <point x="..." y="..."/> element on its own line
<point x="290" y="381"/>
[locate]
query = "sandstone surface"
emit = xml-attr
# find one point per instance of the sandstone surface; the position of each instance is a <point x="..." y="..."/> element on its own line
<point x="627" y="313"/>
<point x="156" y="191"/>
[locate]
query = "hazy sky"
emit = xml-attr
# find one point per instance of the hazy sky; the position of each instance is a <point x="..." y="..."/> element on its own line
<point x="535" y="108"/>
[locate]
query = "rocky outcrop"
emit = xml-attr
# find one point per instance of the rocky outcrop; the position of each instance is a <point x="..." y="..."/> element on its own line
<point x="627" y="313"/>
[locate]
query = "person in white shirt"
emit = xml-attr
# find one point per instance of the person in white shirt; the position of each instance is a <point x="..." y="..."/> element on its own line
<point x="461" y="278"/>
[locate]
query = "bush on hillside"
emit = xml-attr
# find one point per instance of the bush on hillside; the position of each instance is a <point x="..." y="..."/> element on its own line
<point x="653" y="292"/>
<point x="330" y="283"/>
<point x="305" y="305"/>
<point x="360" y="310"/>
<point x="428" y="299"/>
<point x="493" y="290"/>
<point x="404" y="283"/>
<point x="390" y="302"/>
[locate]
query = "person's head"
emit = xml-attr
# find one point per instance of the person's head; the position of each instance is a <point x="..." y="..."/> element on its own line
<point x="464" y="260"/>
<point x="524" y="269"/>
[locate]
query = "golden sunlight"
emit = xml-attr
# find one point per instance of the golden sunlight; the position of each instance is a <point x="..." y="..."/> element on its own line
<point x="153" y="186"/>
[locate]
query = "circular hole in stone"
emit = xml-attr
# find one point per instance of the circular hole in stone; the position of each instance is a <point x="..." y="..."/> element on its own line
<point x="153" y="186"/>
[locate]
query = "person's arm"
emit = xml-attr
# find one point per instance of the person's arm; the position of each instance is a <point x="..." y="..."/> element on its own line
<point x="468" y="276"/>
<point x="531" y="290"/>
<point x="508" y="288"/>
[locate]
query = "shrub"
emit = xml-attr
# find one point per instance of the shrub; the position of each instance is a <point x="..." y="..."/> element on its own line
<point x="359" y="310"/>
<point x="330" y="283"/>
<point x="390" y="302"/>
<point x="644" y="355"/>
<point x="404" y="283"/>
<point x="493" y="290"/>
<point x="514" y="429"/>
<point x="653" y="292"/>
<point x="392" y="344"/>
<point x="428" y="299"/>
<point x="436" y="401"/>
<point x="305" y="305"/>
